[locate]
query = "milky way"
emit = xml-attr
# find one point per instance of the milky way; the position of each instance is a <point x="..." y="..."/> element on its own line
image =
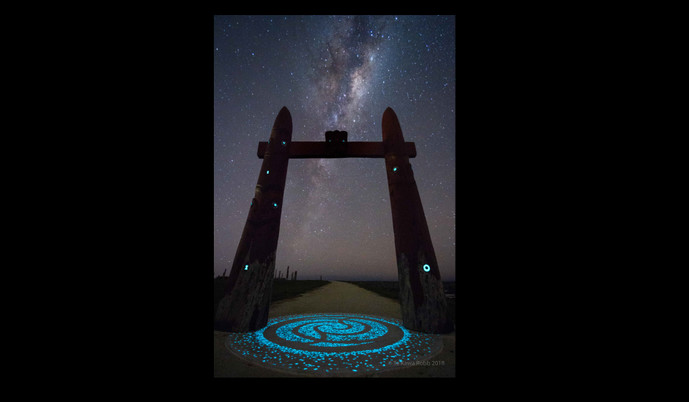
<point x="335" y="73"/>
<point x="345" y="68"/>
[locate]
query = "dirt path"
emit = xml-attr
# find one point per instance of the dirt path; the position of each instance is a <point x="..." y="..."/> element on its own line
<point x="335" y="297"/>
<point x="338" y="297"/>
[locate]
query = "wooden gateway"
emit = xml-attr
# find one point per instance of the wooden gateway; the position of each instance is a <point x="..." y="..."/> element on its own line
<point x="245" y="305"/>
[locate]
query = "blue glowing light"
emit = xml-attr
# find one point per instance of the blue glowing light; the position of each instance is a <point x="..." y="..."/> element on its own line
<point x="394" y="169"/>
<point x="284" y="142"/>
<point x="267" y="171"/>
<point x="352" y="332"/>
<point x="275" y="205"/>
<point x="246" y="267"/>
<point x="336" y="344"/>
<point x="426" y="267"/>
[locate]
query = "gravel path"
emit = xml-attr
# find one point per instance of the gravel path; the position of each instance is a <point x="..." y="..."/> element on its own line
<point x="335" y="297"/>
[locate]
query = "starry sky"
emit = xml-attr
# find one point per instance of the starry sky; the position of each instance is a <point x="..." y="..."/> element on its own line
<point x="334" y="73"/>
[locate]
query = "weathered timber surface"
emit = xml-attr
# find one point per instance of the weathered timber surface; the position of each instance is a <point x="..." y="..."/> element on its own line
<point x="422" y="298"/>
<point x="356" y="149"/>
<point x="244" y="308"/>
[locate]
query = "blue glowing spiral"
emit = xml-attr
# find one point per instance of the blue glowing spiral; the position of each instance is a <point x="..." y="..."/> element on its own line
<point x="333" y="344"/>
<point x="332" y="331"/>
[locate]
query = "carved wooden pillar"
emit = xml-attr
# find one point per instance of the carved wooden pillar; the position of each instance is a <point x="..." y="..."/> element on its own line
<point x="422" y="297"/>
<point x="244" y="307"/>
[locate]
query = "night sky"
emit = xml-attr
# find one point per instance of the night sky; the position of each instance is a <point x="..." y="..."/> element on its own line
<point x="334" y="73"/>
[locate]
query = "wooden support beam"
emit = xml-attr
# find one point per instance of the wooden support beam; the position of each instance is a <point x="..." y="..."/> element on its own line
<point x="422" y="298"/>
<point x="321" y="149"/>
<point x="245" y="305"/>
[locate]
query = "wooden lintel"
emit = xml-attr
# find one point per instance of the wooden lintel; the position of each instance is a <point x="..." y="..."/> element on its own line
<point x="321" y="149"/>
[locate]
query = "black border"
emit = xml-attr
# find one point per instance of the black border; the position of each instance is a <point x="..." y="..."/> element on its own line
<point x="148" y="163"/>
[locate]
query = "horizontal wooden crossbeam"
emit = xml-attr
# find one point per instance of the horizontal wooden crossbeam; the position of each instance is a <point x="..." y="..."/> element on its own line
<point x="321" y="149"/>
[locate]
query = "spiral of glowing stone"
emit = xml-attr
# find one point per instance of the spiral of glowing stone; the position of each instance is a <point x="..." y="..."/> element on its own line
<point x="333" y="344"/>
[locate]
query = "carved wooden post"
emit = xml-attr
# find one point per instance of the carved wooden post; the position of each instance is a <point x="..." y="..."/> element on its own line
<point x="422" y="297"/>
<point x="244" y="307"/>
